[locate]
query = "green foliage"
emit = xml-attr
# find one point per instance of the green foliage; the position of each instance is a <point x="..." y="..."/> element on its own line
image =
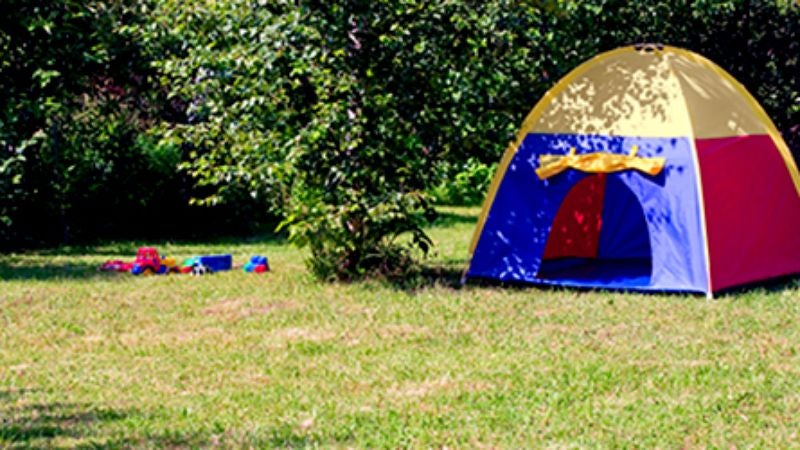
<point x="468" y="186"/>
<point x="282" y="107"/>
<point x="359" y="237"/>
<point x="78" y="99"/>
<point x="346" y="114"/>
<point x="341" y="117"/>
<point x="228" y="64"/>
<point x="71" y="114"/>
<point x="10" y="176"/>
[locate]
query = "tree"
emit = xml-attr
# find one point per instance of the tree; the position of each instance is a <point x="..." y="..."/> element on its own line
<point x="345" y="113"/>
<point x="72" y="114"/>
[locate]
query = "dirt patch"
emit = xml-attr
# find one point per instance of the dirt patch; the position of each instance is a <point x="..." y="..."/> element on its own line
<point x="225" y="307"/>
<point x="358" y="335"/>
<point x="403" y="330"/>
<point x="785" y="368"/>
<point x="238" y="309"/>
<point x="770" y="344"/>
<point x="354" y="309"/>
<point x="19" y="369"/>
<point x="295" y="334"/>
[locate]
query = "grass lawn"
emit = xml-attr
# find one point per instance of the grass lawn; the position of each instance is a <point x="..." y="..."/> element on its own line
<point x="95" y="360"/>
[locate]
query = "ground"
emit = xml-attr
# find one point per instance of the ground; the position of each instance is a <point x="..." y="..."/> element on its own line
<point x="233" y="359"/>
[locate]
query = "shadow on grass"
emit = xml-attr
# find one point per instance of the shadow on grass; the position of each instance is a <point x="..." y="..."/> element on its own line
<point x="773" y="285"/>
<point x="10" y="270"/>
<point x="34" y="424"/>
<point x="127" y="249"/>
<point x="446" y="219"/>
<point x="115" y="248"/>
<point x="39" y="265"/>
<point x="429" y="276"/>
<point x="448" y="274"/>
<point x="28" y="423"/>
<point x="769" y="286"/>
<point x="41" y="425"/>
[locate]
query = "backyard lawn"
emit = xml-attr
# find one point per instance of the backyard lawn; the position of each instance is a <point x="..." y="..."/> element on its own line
<point x="233" y="359"/>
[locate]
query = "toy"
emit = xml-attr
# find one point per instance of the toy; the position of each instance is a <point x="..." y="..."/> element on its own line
<point x="216" y="263"/>
<point x="169" y="265"/>
<point x="187" y="265"/>
<point x="257" y="264"/>
<point x="116" y="265"/>
<point x="201" y="265"/>
<point x="148" y="261"/>
<point x="199" y="269"/>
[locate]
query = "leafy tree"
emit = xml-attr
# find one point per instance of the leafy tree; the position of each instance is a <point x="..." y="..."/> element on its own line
<point x="70" y="101"/>
<point x="342" y="111"/>
<point x="346" y="113"/>
<point x="78" y="97"/>
<point x="339" y="116"/>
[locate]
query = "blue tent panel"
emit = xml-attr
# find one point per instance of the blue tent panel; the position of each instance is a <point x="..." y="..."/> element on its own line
<point x="651" y="236"/>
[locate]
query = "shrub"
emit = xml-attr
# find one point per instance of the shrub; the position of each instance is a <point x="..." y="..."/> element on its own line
<point x="468" y="186"/>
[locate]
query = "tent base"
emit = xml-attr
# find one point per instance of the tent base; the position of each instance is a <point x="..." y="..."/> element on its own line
<point x="600" y="273"/>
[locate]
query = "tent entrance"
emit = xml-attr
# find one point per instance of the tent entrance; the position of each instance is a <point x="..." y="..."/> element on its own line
<point x="598" y="237"/>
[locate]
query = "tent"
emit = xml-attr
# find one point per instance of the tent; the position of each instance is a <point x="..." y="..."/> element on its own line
<point x="645" y="168"/>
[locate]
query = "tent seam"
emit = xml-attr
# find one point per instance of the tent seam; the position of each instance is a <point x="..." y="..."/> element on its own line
<point x="756" y="107"/>
<point x="699" y="177"/>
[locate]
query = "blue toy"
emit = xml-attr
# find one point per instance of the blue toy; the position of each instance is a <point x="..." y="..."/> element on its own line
<point x="208" y="263"/>
<point x="216" y="262"/>
<point x="257" y="264"/>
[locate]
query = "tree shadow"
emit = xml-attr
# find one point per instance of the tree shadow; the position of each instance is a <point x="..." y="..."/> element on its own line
<point x="29" y="423"/>
<point x="46" y="264"/>
<point x="778" y="284"/>
<point x="445" y="275"/>
<point x="26" y="271"/>
<point x="39" y="424"/>
<point x="112" y="248"/>
<point x="446" y="219"/>
<point x="127" y="249"/>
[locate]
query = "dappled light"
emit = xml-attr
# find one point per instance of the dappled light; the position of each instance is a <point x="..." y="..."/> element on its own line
<point x="629" y="95"/>
<point x="246" y="224"/>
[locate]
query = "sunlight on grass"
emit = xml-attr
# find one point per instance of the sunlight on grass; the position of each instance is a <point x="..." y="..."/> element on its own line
<point x="235" y="359"/>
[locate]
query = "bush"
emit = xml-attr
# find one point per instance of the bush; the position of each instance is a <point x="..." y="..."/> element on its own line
<point x="362" y="239"/>
<point x="468" y="186"/>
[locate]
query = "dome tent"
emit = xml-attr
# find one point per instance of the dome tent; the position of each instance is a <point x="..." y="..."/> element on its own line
<point x="648" y="168"/>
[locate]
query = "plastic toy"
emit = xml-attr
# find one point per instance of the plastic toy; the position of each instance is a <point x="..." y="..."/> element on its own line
<point x="257" y="264"/>
<point x="201" y="265"/>
<point x="187" y="265"/>
<point x="216" y="263"/>
<point x="148" y="261"/>
<point x="199" y="269"/>
<point x="169" y="265"/>
<point x="116" y="265"/>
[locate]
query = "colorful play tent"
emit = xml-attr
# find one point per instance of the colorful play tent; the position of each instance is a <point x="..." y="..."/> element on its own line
<point x="646" y="168"/>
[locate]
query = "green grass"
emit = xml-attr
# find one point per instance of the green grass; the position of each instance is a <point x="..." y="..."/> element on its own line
<point x="95" y="360"/>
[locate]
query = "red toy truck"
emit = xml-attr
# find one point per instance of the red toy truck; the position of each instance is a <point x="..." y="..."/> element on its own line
<point x="147" y="260"/>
